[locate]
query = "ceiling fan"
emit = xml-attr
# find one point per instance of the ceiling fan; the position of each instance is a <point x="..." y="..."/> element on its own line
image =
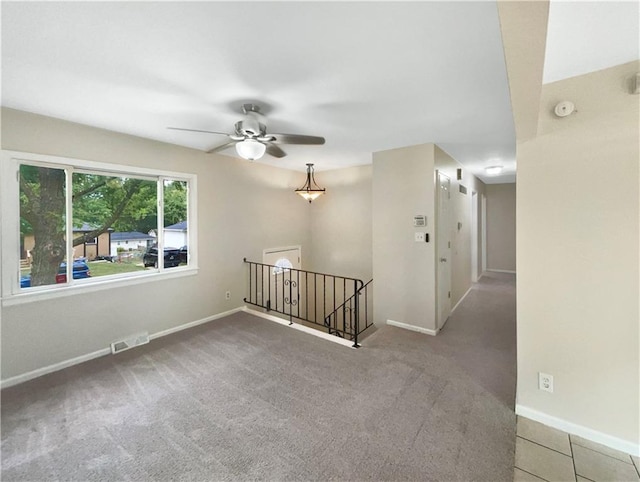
<point x="251" y="139"/>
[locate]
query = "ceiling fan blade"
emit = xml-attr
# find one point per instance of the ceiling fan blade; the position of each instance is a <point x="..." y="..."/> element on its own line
<point x="296" y="139"/>
<point x="275" y="151"/>
<point x="222" y="147"/>
<point x="197" y="130"/>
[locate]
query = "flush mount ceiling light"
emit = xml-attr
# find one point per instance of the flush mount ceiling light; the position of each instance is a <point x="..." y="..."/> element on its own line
<point x="493" y="170"/>
<point x="250" y="149"/>
<point x="310" y="190"/>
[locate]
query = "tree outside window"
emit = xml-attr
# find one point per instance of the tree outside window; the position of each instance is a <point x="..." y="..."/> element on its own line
<point x="106" y="203"/>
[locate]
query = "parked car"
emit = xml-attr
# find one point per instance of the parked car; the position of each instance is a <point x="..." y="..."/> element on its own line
<point x="184" y="254"/>
<point x="80" y="271"/>
<point x="171" y="257"/>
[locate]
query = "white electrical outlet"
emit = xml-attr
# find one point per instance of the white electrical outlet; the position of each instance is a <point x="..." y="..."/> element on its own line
<point x="227" y="295"/>
<point x="419" y="237"/>
<point x="545" y="382"/>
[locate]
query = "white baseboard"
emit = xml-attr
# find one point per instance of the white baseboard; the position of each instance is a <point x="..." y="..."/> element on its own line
<point x="501" y="271"/>
<point x="24" y="377"/>
<point x="460" y="300"/>
<point x="9" y="382"/>
<point x="299" y="327"/>
<point x="191" y="324"/>
<point x="579" y="430"/>
<point x="406" y="326"/>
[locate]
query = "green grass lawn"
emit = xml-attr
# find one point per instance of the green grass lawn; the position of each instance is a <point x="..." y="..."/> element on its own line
<point x="104" y="268"/>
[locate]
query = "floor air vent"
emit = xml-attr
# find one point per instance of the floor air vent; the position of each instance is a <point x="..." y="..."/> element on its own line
<point x="130" y="342"/>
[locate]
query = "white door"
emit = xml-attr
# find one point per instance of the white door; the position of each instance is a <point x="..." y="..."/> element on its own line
<point x="483" y="232"/>
<point x="474" y="237"/>
<point x="443" y="250"/>
<point x="283" y="284"/>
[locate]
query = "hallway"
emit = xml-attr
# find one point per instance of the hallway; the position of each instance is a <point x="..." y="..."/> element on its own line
<point x="481" y="334"/>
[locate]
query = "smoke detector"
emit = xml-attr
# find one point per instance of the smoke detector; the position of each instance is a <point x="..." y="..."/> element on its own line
<point x="564" y="108"/>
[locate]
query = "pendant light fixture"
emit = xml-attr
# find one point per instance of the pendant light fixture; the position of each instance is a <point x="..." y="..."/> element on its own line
<point x="310" y="190"/>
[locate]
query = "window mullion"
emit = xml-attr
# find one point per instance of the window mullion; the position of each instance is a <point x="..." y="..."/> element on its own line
<point x="68" y="172"/>
<point x="160" y="235"/>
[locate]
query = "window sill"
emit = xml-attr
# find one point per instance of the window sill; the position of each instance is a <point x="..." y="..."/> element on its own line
<point x="94" y="286"/>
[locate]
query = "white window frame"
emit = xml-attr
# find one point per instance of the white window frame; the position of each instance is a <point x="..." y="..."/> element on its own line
<point x="10" y="161"/>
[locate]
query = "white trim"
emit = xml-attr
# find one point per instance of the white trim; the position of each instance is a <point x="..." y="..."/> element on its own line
<point x="299" y="327"/>
<point x="483" y="231"/>
<point x="281" y="250"/>
<point x="284" y="249"/>
<point x="98" y="284"/>
<point x="579" y="430"/>
<point x="406" y="326"/>
<point x="474" y="236"/>
<point x="10" y="283"/>
<point x="501" y="271"/>
<point x="24" y="377"/>
<point x="461" y="299"/>
<point x="191" y="324"/>
<point x="84" y="165"/>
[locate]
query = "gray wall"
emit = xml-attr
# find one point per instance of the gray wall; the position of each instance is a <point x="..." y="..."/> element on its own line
<point x="243" y="208"/>
<point x="578" y="260"/>
<point x="403" y="270"/>
<point x="341" y="223"/>
<point x="501" y="226"/>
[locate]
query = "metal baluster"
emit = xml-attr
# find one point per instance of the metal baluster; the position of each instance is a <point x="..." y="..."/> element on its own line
<point x="290" y="299"/>
<point x="357" y="328"/>
<point x="269" y="282"/>
<point x="366" y="305"/>
<point x="298" y="291"/>
<point x="324" y="304"/>
<point x="334" y="301"/>
<point x="250" y="298"/>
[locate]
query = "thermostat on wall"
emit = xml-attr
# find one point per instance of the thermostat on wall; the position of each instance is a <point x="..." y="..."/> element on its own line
<point x="420" y="221"/>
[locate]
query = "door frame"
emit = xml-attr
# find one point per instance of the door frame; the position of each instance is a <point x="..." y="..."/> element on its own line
<point x="283" y="249"/>
<point x="474" y="236"/>
<point x="273" y="278"/>
<point x="442" y="225"/>
<point x="483" y="238"/>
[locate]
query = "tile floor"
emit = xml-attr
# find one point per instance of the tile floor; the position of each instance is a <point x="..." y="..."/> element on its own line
<point x="544" y="453"/>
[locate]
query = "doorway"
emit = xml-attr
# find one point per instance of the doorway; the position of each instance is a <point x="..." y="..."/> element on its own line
<point x="474" y="237"/>
<point x="282" y="280"/>
<point x="443" y="250"/>
<point x="483" y="233"/>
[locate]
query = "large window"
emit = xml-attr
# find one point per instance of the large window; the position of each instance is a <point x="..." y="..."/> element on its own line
<point x="81" y="222"/>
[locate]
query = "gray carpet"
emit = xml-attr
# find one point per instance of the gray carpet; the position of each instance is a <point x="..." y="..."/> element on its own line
<point x="243" y="398"/>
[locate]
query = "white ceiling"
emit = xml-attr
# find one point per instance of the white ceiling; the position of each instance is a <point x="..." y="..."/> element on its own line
<point x="583" y="37"/>
<point x="368" y="76"/>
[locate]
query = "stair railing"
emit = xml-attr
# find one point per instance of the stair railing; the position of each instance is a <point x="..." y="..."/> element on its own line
<point x="349" y="315"/>
<point x="310" y="297"/>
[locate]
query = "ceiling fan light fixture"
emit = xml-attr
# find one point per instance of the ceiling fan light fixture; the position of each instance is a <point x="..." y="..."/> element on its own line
<point x="250" y="149"/>
<point x="310" y="190"/>
<point x="493" y="170"/>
